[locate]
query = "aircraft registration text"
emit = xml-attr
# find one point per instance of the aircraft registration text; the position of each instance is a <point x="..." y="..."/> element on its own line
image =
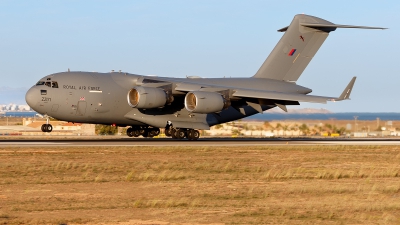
<point x="46" y="99"/>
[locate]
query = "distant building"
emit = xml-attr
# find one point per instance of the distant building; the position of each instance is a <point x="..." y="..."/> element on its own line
<point x="14" y="107"/>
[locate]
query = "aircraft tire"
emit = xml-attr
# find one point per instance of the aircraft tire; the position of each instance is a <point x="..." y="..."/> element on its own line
<point x="49" y="128"/>
<point x="154" y="132"/>
<point x="196" y="135"/>
<point x="43" y="128"/>
<point x="190" y="133"/>
<point x="135" y="133"/>
<point x="145" y="133"/>
<point x="180" y="133"/>
<point x="129" y="132"/>
<point x="168" y="132"/>
<point x="173" y="132"/>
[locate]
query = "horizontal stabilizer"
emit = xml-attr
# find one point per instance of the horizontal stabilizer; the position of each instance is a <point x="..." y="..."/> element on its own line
<point x="319" y="25"/>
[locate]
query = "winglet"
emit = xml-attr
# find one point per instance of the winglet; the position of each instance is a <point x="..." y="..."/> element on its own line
<point x="347" y="91"/>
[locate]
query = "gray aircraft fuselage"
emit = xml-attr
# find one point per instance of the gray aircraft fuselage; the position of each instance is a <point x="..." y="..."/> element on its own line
<point x="101" y="98"/>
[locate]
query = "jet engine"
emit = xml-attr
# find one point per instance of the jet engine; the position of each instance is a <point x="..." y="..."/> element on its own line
<point x="205" y="102"/>
<point x="148" y="97"/>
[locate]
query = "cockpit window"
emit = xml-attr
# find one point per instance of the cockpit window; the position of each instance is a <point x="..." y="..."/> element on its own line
<point x="54" y="84"/>
<point x="40" y="83"/>
<point x="48" y="84"/>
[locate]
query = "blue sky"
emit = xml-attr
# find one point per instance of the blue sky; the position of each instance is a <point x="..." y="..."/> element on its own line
<point x="203" y="38"/>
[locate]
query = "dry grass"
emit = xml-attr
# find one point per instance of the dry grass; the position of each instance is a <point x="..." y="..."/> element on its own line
<point x="193" y="185"/>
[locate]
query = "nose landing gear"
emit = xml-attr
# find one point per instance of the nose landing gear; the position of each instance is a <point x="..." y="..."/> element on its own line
<point x="47" y="127"/>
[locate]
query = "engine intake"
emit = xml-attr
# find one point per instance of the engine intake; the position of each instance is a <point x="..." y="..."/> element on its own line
<point x="205" y="102"/>
<point x="147" y="97"/>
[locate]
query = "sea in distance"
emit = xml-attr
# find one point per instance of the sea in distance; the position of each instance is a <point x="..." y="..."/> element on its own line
<point x="18" y="114"/>
<point x="281" y="116"/>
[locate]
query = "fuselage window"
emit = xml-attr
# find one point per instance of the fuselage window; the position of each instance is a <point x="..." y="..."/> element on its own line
<point x="48" y="84"/>
<point x="40" y="83"/>
<point x="54" y="84"/>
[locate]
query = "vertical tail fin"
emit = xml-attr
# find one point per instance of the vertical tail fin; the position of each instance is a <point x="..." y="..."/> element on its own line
<point x="301" y="41"/>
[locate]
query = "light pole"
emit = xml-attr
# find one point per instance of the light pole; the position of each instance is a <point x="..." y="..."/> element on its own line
<point x="355" y="123"/>
<point x="377" y="122"/>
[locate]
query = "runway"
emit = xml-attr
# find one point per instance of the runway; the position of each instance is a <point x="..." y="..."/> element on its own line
<point x="81" y="142"/>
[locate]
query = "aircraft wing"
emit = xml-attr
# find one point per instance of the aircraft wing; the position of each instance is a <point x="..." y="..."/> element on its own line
<point x="273" y="95"/>
<point x="282" y="96"/>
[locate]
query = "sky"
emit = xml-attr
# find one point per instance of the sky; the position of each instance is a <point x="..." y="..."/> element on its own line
<point x="207" y="38"/>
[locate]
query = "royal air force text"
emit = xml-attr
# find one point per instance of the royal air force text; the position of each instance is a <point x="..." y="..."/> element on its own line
<point x="89" y="88"/>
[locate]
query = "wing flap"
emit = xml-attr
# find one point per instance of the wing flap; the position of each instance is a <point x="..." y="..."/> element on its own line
<point x="281" y="96"/>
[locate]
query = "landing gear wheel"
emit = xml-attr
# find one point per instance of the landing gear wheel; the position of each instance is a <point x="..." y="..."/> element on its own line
<point x="145" y="133"/>
<point x="168" y="132"/>
<point x="180" y="133"/>
<point x="193" y="134"/>
<point x="154" y="132"/>
<point x="129" y="132"/>
<point x="49" y="128"/>
<point x="196" y="135"/>
<point x="190" y="134"/>
<point x="173" y="133"/>
<point x="135" y="133"/>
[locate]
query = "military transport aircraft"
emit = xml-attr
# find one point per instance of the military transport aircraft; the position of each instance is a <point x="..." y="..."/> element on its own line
<point x="184" y="105"/>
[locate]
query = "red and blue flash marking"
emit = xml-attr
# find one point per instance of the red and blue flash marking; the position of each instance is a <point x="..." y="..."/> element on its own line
<point x="292" y="52"/>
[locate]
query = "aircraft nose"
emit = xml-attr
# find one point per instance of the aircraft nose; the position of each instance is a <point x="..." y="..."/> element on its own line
<point x="31" y="97"/>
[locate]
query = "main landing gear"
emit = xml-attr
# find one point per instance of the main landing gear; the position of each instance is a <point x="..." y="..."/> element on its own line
<point x="47" y="127"/>
<point x="144" y="131"/>
<point x="179" y="133"/>
<point x="182" y="133"/>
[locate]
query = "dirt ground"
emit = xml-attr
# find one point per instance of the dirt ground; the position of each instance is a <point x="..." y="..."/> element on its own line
<point x="200" y="185"/>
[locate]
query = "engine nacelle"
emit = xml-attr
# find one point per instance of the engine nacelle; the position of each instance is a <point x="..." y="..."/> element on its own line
<point x="205" y="102"/>
<point x="147" y="97"/>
